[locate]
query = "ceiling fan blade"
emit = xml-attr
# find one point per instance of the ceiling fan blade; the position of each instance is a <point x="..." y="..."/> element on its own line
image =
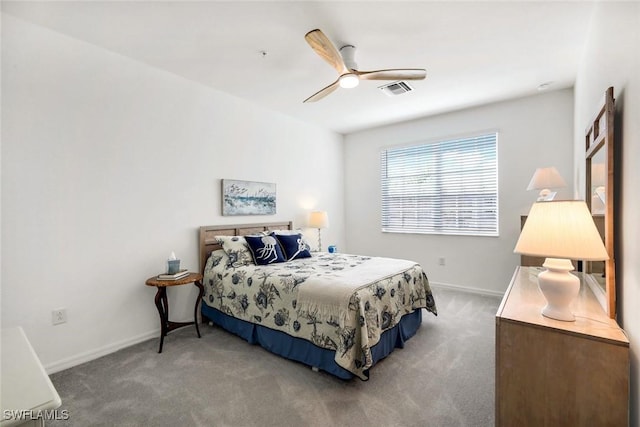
<point x="323" y="92"/>
<point x="393" y="74"/>
<point x="323" y="47"/>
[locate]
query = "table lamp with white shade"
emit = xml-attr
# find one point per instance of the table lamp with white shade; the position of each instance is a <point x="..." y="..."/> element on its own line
<point x="319" y="220"/>
<point x="544" y="179"/>
<point x="561" y="231"/>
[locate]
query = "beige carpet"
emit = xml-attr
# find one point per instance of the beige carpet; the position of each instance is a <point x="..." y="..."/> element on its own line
<point x="443" y="377"/>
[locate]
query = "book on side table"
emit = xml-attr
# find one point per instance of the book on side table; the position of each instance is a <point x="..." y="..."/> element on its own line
<point x="179" y="275"/>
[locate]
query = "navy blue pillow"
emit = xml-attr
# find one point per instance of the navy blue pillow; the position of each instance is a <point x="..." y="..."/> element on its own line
<point x="265" y="249"/>
<point x="294" y="246"/>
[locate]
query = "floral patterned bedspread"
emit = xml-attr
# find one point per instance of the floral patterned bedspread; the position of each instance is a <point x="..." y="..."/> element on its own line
<point x="267" y="295"/>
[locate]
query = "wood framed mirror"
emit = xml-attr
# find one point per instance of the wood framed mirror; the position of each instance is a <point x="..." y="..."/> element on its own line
<point x="599" y="196"/>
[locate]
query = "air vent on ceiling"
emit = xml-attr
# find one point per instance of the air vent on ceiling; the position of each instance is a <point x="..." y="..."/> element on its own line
<point x="395" y="88"/>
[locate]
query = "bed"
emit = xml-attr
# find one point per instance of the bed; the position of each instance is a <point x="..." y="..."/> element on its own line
<point x="341" y="313"/>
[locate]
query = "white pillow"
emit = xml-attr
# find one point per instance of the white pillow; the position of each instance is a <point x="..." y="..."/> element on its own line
<point x="216" y="258"/>
<point x="236" y="249"/>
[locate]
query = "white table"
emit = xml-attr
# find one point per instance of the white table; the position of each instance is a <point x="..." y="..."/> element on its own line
<point x="27" y="396"/>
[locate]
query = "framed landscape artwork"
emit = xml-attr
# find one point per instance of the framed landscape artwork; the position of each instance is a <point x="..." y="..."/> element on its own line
<point x="248" y="198"/>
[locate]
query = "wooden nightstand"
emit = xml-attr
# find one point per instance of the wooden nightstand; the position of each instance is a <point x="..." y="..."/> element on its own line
<point x="555" y="373"/>
<point x="162" y="303"/>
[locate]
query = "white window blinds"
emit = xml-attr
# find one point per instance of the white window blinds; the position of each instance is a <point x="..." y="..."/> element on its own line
<point x="446" y="187"/>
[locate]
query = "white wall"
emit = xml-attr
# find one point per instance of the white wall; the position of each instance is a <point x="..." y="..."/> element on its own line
<point x="108" y="165"/>
<point x="532" y="132"/>
<point x="611" y="58"/>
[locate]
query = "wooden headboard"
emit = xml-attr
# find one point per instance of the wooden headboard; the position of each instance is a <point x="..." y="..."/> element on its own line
<point x="209" y="244"/>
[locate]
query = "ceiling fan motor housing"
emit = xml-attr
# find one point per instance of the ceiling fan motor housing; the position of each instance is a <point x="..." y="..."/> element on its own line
<point x="348" y="53"/>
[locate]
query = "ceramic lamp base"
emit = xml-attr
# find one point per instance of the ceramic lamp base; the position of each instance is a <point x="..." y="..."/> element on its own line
<point x="559" y="287"/>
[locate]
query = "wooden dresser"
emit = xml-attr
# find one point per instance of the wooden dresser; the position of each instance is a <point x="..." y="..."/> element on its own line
<point x="555" y="373"/>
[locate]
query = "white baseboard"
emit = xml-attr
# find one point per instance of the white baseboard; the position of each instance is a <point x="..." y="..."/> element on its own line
<point x="88" y="356"/>
<point x="467" y="289"/>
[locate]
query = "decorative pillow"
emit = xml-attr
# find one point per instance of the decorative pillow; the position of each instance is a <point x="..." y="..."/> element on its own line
<point x="265" y="249"/>
<point x="291" y="233"/>
<point x="294" y="246"/>
<point x="217" y="257"/>
<point x="236" y="249"/>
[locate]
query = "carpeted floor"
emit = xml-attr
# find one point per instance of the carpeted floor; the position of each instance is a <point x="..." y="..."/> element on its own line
<point x="443" y="377"/>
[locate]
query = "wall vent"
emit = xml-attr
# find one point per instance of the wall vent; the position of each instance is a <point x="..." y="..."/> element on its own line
<point x="395" y="88"/>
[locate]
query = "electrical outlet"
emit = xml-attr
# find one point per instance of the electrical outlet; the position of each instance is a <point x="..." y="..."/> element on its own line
<point x="59" y="316"/>
<point x="441" y="261"/>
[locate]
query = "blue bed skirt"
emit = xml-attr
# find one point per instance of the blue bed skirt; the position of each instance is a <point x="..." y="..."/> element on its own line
<point x="304" y="351"/>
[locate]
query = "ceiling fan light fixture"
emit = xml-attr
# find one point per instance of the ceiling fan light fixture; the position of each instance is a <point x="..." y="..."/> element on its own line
<point x="349" y="80"/>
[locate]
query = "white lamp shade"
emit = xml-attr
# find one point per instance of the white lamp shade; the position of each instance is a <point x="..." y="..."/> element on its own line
<point x="546" y="178"/>
<point x="318" y="219"/>
<point x="561" y="229"/>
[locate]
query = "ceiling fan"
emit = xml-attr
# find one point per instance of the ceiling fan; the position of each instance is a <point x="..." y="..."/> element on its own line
<point x="343" y="62"/>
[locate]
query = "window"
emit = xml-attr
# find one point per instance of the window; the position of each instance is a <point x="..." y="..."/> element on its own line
<point x="445" y="187"/>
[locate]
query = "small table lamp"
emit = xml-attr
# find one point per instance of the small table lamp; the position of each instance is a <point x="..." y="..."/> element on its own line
<point x="319" y="219"/>
<point x="543" y="179"/>
<point x="560" y="231"/>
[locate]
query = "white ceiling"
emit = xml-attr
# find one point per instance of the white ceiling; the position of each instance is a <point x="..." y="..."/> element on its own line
<point x="474" y="52"/>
